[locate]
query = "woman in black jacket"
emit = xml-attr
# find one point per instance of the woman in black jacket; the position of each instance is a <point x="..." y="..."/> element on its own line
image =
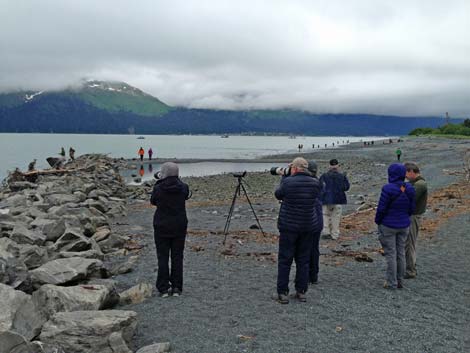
<point x="170" y="224"/>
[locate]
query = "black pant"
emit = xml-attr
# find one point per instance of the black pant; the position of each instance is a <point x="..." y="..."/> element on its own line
<point x="165" y="246"/>
<point x="293" y="246"/>
<point x="315" y="258"/>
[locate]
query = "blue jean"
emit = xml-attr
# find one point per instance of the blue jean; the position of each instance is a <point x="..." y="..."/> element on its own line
<point x="293" y="246"/>
<point x="393" y="242"/>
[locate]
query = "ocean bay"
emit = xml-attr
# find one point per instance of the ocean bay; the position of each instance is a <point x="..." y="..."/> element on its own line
<point x="17" y="150"/>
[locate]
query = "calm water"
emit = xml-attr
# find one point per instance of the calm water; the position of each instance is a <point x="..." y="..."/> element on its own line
<point x="17" y="150"/>
<point x="146" y="171"/>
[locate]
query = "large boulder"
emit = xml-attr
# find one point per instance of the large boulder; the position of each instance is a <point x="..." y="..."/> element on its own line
<point x="96" y="194"/>
<point x="61" y="199"/>
<point x="52" y="228"/>
<point x="35" y="212"/>
<point x="88" y="254"/>
<point x="33" y="256"/>
<point x="89" y="331"/>
<point x="21" y="185"/>
<point x="113" y="298"/>
<point x="65" y="271"/>
<point x="13" y="270"/>
<point x="15" y="201"/>
<point x="117" y="343"/>
<point x="9" y="248"/>
<point x="88" y="187"/>
<point x="52" y="299"/>
<point x="18" y="313"/>
<point x="112" y="242"/>
<point x="6" y="225"/>
<point x="98" y="204"/>
<point x="72" y="222"/>
<point x="12" y="342"/>
<point x="23" y="235"/>
<point x="81" y="196"/>
<point x="72" y="240"/>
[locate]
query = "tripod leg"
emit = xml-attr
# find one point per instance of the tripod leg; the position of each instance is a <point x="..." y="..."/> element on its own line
<point x="229" y="216"/>
<point x="254" y="213"/>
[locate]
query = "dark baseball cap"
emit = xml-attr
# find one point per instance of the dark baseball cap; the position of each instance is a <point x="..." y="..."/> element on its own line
<point x="312" y="167"/>
<point x="334" y="161"/>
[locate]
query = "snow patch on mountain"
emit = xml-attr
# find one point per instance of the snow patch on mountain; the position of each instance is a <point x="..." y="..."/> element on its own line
<point x="29" y="97"/>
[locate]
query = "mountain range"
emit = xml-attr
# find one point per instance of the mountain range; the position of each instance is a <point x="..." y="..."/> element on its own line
<point x="118" y="108"/>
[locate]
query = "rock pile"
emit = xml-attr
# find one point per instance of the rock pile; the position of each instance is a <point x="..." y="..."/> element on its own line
<point x="55" y="236"/>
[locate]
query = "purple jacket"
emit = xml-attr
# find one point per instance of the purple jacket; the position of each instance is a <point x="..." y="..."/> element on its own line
<point x="397" y="200"/>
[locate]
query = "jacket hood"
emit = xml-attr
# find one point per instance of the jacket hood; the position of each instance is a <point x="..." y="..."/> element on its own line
<point x="171" y="184"/>
<point x="396" y="172"/>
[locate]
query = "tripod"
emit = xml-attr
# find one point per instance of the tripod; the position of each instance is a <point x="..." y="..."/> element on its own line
<point x="238" y="190"/>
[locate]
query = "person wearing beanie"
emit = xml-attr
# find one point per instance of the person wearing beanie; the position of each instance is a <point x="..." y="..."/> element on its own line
<point x="396" y="205"/>
<point x="170" y="225"/>
<point x="333" y="197"/>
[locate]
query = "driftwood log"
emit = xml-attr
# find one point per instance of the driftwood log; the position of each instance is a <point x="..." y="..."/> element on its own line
<point x="359" y="211"/>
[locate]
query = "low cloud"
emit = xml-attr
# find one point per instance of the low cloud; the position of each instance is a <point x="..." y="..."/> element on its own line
<point x="392" y="57"/>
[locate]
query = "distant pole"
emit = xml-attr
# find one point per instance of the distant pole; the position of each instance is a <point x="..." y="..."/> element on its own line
<point x="447" y="118"/>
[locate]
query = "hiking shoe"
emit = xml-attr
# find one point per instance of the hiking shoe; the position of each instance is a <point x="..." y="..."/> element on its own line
<point x="313" y="280"/>
<point x="164" y="294"/>
<point x="281" y="298"/>
<point x="409" y="276"/>
<point x="175" y="292"/>
<point x="388" y="285"/>
<point x="300" y="297"/>
<point x="400" y="285"/>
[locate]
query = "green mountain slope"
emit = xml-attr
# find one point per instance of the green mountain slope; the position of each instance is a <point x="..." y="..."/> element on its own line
<point x="112" y="97"/>
<point x="121" y="97"/>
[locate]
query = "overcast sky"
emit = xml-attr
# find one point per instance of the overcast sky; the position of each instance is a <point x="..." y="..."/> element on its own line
<point x="384" y="57"/>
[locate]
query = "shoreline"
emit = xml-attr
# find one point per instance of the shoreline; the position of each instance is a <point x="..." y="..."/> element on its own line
<point x="281" y="157"/>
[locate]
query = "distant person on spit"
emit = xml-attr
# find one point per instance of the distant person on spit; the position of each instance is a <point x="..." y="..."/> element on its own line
<point x="72" y="153"/>
<point x="150" y="152"/>
<point x="62" y="152"/>
<point x="170" y="225"/>
<point x="398" y="153"/>
<point x="297" y="224"/>
<point x="396" y="205"/>
<point x="333" y="197"/>
<point x="141" y="153"/>
<point x="414" y="177"/>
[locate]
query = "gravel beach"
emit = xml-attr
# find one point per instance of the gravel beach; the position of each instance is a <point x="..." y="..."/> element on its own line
<point x="226" y="305"/>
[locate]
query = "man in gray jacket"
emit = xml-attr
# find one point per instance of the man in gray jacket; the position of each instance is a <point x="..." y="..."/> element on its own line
<point x="421" y="188"/>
